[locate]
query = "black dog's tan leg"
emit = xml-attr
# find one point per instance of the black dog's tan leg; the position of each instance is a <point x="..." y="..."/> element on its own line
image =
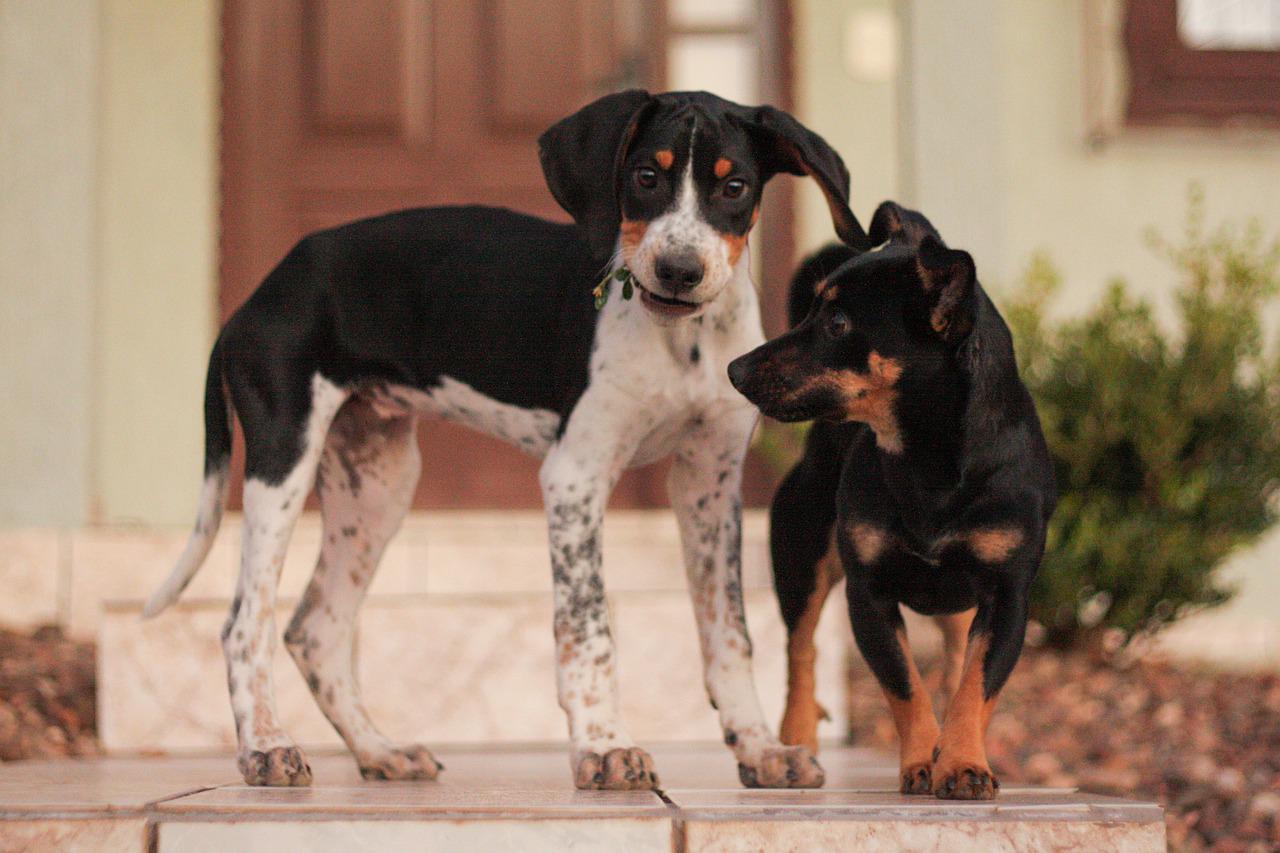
<point x="806" y="565"/>
<point x="576" y="477"/>
<point x="882" y="639"/>
<point x="995" y="642"/>
<point x="366" y="482"/>
<point x="955" y="634"/>
<point x="800" y="719"/>
<point x="916" y="725"/>
<point x="704" y="485"/>
<point x="266" y="755"/>
<point x="961" y="770"/>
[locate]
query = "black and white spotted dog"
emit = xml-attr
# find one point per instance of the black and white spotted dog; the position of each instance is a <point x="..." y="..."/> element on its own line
<point x="485" y="317"/>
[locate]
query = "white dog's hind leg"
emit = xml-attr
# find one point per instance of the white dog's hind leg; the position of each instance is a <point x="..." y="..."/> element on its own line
<point x="266" y="755"/>
<point x="366" y="483"/>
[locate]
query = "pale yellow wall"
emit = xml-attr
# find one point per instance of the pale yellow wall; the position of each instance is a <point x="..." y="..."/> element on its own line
<point x="157" y="211"/>
<point x="108" y="203"/>
<point x="1004" y="163"/>
<point x="985" y="128"/>
<point x="853" y="108"/>
<point x="48" y="54"/>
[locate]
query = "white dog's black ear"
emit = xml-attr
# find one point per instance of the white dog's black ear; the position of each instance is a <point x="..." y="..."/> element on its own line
<point x="786" y="145"/>
<point x="582" y="156"/>
<point x="895" y="222"/>
<point x="947" y="281"/>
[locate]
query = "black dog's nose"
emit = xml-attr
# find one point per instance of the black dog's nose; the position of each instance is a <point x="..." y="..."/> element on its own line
<point x="678" y="272"/>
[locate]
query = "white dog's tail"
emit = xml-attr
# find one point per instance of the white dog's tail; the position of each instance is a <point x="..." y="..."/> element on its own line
<point x="217" y="464"/>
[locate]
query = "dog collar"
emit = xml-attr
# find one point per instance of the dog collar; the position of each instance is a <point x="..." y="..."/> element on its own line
<point x="601" y="291"/>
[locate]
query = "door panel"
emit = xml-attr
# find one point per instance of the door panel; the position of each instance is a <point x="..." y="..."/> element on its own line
<point x="339" y="109"/>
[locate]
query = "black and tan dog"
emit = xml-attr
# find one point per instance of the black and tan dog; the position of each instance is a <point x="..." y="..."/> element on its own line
<point x="485" y="317"/>
<point x="928" y="471"/>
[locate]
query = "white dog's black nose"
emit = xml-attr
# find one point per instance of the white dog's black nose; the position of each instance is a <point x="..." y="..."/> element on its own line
<point x="678" y="272"/>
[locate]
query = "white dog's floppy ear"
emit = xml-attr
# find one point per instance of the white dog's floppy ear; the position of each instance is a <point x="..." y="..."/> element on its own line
<point x="788" y="146"/>
<point x="582" y="156"/>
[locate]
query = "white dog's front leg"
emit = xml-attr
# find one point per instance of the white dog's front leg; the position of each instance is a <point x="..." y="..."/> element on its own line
<point x="577" y="477"/>
<point x="705" y="488"/>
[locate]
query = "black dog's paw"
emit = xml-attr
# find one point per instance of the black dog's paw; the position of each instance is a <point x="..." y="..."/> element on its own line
<point x="965" y="781"/>
<point x="281" y="767"/>
<point x="916" y="779"/>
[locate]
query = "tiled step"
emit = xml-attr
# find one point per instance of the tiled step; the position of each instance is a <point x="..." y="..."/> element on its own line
<point x="455" y="643"/>
<point x="520" y="799"/>
<point x="443" y="669"/>
<point x="434" y="552"/>
<point x="64" y="576"/>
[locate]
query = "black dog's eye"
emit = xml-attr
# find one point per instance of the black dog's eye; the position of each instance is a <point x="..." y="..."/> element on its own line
<point x="838" y="324"/>
<point x="646" y="177"/>
<point x="734" y="188"/>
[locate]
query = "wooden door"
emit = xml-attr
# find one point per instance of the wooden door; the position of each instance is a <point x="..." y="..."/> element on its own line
<point x="339" y="109"/>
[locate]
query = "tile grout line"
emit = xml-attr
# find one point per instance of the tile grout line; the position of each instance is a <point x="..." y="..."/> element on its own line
<point x="678" y="842"/>
<point x="152" y="815"/>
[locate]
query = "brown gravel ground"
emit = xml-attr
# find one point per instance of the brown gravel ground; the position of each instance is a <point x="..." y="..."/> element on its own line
<point x="47" y="686"/>
<point x="1202" y="743"/>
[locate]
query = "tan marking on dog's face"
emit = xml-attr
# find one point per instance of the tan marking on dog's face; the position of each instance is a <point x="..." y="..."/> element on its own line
<point x="994" y="544"/>
<point x="828" y="291"/>
<point x="735" y="243"/>
<point x="869" y="397"/>
<point x="866" y="397"/>
<point x="633" y="231"/>
<point x="723" y="167"/>
<point x="664" y="158"/>
<point x="868" y="541"/>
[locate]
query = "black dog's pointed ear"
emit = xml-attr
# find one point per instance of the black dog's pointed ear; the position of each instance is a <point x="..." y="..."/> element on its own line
<point x="788" y="146"/>
<point x="894" y="222"/>
<point x="581" y="158"/>
<point x="947" y="279"/>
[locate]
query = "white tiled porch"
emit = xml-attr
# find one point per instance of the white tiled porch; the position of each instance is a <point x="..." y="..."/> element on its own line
<point x="520" y="798"/>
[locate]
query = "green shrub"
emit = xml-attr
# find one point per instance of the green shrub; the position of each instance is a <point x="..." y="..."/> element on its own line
<point x="1166" y="444"/>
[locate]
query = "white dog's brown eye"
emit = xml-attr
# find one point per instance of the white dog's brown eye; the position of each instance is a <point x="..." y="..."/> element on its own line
<point x="838" y="324"/>
<point x="646" y="177"/>
<point x="734" y="188"/>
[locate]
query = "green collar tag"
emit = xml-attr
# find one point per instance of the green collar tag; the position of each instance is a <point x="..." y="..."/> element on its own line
<point x="601" y="291"/>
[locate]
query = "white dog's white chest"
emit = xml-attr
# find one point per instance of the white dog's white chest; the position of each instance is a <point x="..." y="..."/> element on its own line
<point x="671" y="380"/>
